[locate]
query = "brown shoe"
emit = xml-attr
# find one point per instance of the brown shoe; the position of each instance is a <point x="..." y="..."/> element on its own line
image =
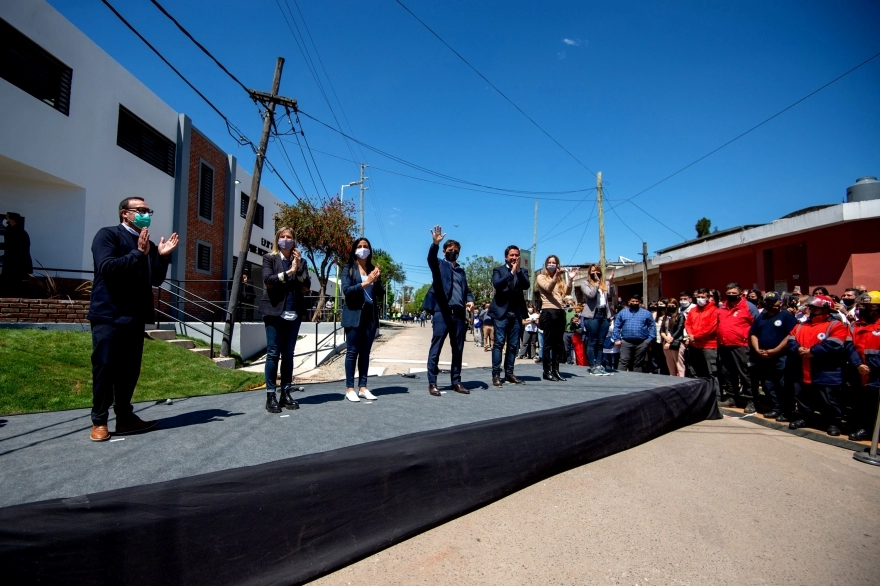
<point x="434" y="390"/>
<point x="136" y="425"/>
<point x="512" y="379"/>
<point x="458" y="388"/>
<point x="496" y="381"/>
<point x="100" y="433"/>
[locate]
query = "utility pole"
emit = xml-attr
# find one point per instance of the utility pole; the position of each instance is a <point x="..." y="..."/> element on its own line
<point x="269" y="101"/>
<point x="601" y="223"/>
<point x="534" y="252"/>
<point x="645" y="273"/>
<point x="363" y="188"/>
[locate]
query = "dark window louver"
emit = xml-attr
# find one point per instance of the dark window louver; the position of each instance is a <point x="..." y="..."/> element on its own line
<point x="244" y="205"/>
<point x="258" y="216"/>
<point x="203" y="257"/>
<point x="32" y="69"/>
<point x="206" y="192"/>
<point x="141" y="140"/>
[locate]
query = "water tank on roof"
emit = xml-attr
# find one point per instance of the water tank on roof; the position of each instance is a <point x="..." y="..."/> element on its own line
<point x="863" y="189"/>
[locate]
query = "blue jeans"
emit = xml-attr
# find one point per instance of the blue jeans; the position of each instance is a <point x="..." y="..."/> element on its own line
<point x="770" y="372"/>
<point x="358" y="342"/>
<point x="596" y="328"/>
<point x="506" y="331"/>
<point x="280" y="343"/>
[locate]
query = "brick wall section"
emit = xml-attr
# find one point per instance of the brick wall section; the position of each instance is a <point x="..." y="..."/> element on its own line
<point x="199" y="229"/>
<point x="54" y="311"/>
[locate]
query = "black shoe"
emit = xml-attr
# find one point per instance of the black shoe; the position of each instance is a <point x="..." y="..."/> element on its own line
<point x="772" y="414"/>
<point x="558" y="376"/>
<point x="287" y="401"/>
<point x="549" y="376"/>
<point x="861" y="435"/>
<point x="783" y="418"/>
<point x="833" y="430"/>
<point x="272" y="403"/>
<point x="797" y="424"/>
<point x="750" y="408"/>
<point x="512" y="379"/>
<point x="728" y="402"/>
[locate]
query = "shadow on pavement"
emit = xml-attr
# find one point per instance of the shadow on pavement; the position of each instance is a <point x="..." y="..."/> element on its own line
<point x="195" y="418"/>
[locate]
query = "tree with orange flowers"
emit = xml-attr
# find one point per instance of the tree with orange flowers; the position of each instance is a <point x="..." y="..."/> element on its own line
<point x="323" y="232"/>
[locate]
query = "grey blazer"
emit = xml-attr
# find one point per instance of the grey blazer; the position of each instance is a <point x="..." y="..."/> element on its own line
<point x="591" y="298"/>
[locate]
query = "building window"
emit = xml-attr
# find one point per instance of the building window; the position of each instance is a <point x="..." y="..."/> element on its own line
<point x="243" y="206"/>
<point x="206" y="192"/>
<point x="144" y="142"/>
<point x="32" y="69"/>
<point x="203" y="257"/>
<point x="258" y="217"/>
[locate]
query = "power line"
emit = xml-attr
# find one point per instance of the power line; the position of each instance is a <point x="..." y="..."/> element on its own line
<point x="198" y="44"/>
<point x="584" y="233"/>
<point x="627" y="225"/>
<point x="755" y="127"/>
<point x="430" y="171"/>
<point x="240" y="138"/>
<point x="484" y="78"/>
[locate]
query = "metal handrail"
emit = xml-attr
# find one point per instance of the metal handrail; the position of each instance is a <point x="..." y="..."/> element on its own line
<point x="213" y="329"/>
<point x="184" y="299"/>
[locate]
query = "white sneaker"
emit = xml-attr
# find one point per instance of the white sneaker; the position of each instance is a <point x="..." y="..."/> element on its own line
<point x="365" y="394"/>
<point x="352" y="396"/>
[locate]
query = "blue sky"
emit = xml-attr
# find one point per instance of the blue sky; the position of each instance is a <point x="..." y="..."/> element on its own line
<point x="635" y="89"/>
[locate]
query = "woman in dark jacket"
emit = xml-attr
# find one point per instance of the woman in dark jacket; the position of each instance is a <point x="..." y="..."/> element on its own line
<point x="671" y="331"/>
<point x="362" y="287"/>
<point x="284" y="275"/>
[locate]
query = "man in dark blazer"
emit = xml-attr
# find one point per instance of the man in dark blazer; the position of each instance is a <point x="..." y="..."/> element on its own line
<point x="127" y="267"/>
<point x="508" y="309"/>
<point x="449" y="298"/>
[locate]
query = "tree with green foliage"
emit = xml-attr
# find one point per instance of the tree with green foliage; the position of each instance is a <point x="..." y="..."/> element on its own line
<point x="419" y="297"/>
<point x="392" y="272"/>
<point x="478" y="270"/>
<point x="703" y="227"/>
<point x="323" y="231"/>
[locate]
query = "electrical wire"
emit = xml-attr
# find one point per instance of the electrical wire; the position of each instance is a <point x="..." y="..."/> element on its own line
<point x="627" y="225"/>
<point x="502" y="94"/>
<point x="199" y="45"/>
<point x="584" y="233"/>
<point x="755" y="127"/>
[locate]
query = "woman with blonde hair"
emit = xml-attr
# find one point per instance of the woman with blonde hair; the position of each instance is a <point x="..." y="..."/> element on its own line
<point x="284" y="275"/>
<point x="553" y="284"/>
<point x="599" y="296"/>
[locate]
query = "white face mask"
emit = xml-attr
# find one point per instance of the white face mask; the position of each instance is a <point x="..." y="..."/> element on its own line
<point x="702" y="301"/>
<point x="362" y="253"/>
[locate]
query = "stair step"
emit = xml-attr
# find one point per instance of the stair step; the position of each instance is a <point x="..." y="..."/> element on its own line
<point x="225" y="362"/>
<point x="161" y="334"/>
<point x="189" y="344"/>
<point x="201" y="351"/>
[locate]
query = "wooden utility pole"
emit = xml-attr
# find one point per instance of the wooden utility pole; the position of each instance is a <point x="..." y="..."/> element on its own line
<point x="269" y="101"/>
<point x="601" y="223"/>
<point x="645" y="273"/>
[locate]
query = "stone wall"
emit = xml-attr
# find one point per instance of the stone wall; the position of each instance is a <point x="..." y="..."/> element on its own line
<point x="15" y="310"/>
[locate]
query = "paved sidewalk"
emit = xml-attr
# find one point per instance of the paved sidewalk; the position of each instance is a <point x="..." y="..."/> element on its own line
<point x="721" y="502"/>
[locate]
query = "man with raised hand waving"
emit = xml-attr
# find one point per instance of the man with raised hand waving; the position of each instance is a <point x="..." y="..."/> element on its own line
<point x="449" y="298"/>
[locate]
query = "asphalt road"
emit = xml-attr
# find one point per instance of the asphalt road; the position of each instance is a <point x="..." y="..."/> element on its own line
<point x="722" y="502"/>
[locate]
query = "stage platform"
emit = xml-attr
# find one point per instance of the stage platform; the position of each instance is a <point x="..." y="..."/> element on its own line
<point x="222" y="492"/>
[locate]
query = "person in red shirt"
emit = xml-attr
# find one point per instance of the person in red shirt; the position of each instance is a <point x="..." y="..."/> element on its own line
<point x="865" y="356"/>
<point x="735" y="317"/>
<point x="820" y="343"/>
<point x="701" y="325"/>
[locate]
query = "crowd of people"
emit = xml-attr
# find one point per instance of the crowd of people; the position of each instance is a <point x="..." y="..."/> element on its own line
<point x="808" y="360"/>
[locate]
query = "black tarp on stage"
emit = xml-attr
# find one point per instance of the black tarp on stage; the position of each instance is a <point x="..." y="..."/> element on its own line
<point x="225" y="493"/>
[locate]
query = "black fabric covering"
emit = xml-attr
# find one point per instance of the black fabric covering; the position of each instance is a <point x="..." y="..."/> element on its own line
<point x="294" y="520"/>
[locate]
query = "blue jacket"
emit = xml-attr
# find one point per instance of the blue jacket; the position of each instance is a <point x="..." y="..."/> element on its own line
<point x="437" y="298"/>
<point x="122" y="291"/>
<point x="508" y="294"/>
<point x="354" y="296"/>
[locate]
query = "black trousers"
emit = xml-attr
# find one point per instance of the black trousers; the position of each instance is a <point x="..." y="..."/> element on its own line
<point x="552" y="321"/>
<point x="736" y="380"/>
<point x="826" y="399"/>
<point x="454" y="325"/>
<point x="632" y="354"/>
<point x="702" y="363"/>
<point x="117" y="351"/>
<point x="770" y="372"/>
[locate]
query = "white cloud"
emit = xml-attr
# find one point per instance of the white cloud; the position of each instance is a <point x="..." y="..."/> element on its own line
<point x="572" y="42"/>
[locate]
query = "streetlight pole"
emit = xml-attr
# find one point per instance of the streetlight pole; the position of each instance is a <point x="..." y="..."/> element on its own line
<point x="342" y="198"/>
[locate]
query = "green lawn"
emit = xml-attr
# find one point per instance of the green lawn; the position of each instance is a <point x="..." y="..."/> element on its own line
<point x="51" y="370"/>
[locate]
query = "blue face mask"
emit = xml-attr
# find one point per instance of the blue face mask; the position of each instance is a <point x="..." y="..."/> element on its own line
<point x="142" y="220"/>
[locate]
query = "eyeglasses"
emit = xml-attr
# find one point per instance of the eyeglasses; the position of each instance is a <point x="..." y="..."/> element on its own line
<point x="141" y="210"/>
